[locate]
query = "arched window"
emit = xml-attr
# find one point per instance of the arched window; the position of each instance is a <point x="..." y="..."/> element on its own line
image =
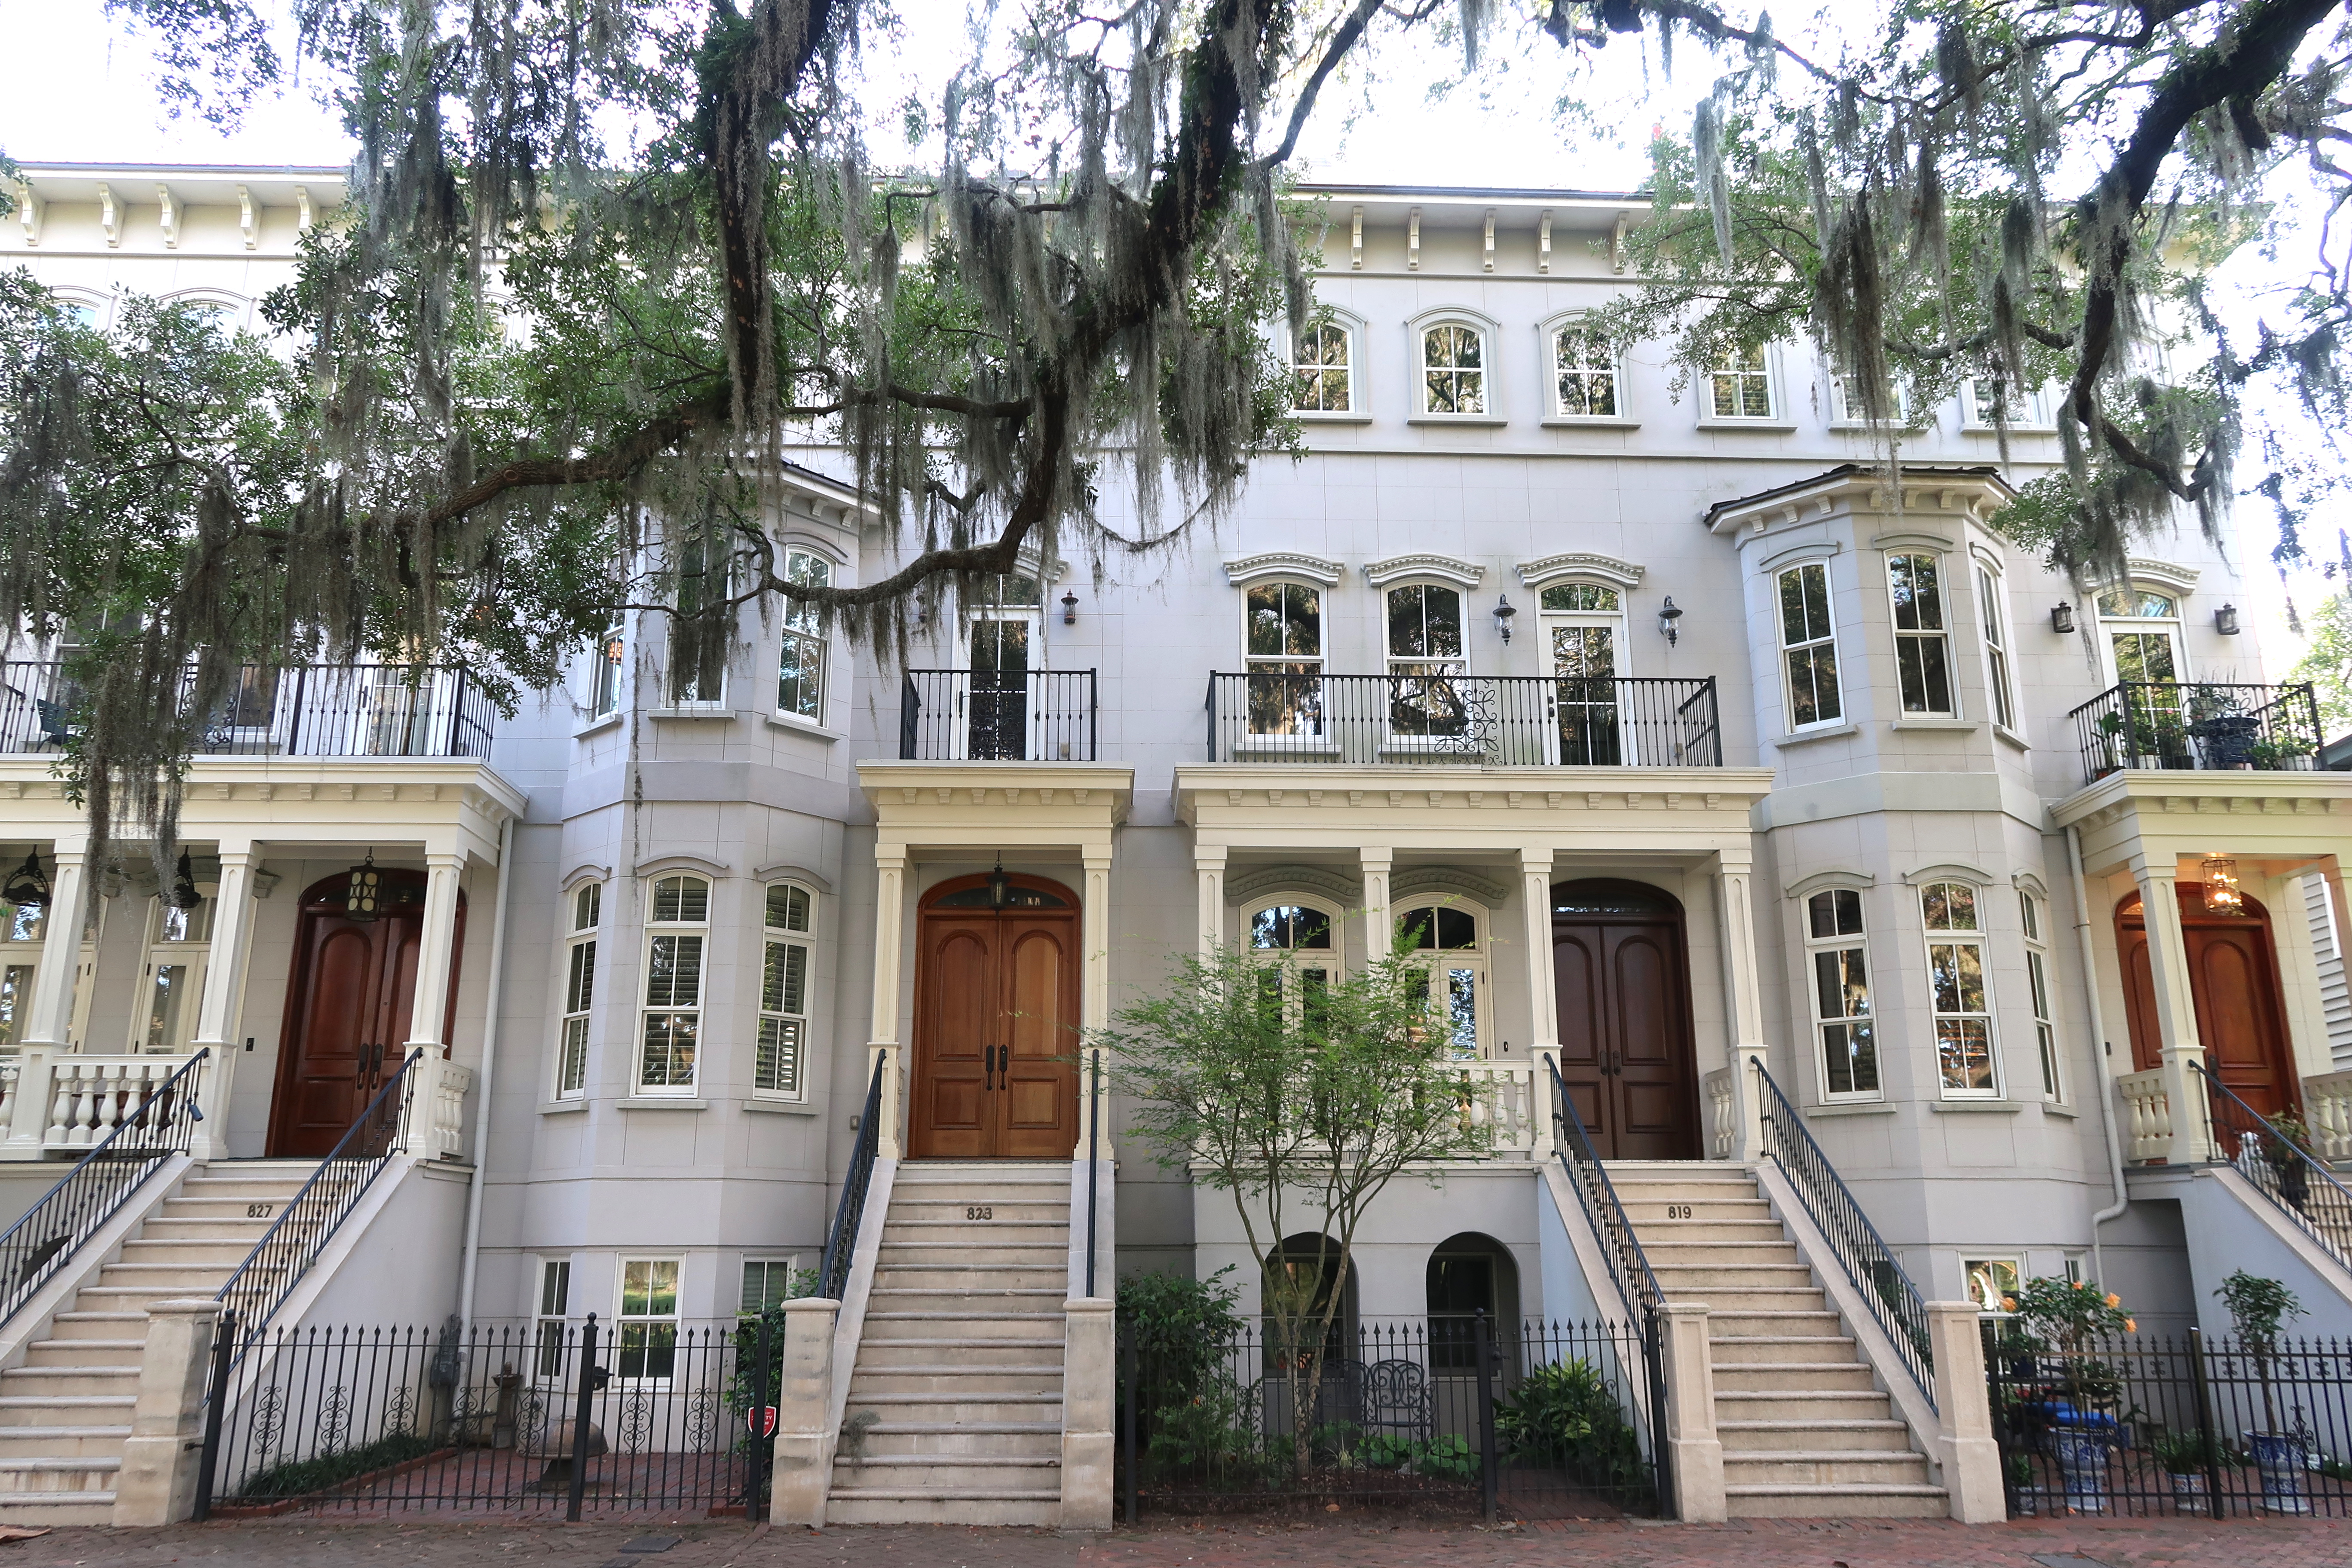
<point x="1584" y="374"/>
<point x="1470" y="1274"/>
<point x="2140" y="632"/>
<point x="1323" y="370"/>
<point x="1302" y="1274"/>
<point x="1283" y="650"/>
<point x="785" y="993"/>
<point x="1448" y="938"/>
<point x="1454" y="369"/>
<point x="585" y="912"/>
<point x="1296" y="942"/>
<point x="678" y="920"/>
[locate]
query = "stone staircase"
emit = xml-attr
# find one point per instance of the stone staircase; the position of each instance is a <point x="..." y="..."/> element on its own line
<point x="65" y="1413"/>
<point x="1806" y="1432"/>
<point x="955" y="1404"/>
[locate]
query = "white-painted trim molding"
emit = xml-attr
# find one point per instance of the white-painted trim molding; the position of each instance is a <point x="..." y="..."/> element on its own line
<point x="1806" y="887"/>
<point x="1248" y="569"/>
<point x="1424" y="564"/>
<point x="1551" y="569"/>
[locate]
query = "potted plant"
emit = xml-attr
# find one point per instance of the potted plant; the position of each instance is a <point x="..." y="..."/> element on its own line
<point x="2286" y="1149"/>
<point x="2283" y="753"/>
<point x="2027" y="1498"/>
<point x="2260" y="1308"/>
<point x="2228" y="731"/>
<point x="2185" y="1457"/>
<point x="2067" y="1319"/>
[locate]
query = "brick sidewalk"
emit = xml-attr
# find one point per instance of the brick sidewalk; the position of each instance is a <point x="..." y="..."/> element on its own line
<point x="1764" y="1543"/>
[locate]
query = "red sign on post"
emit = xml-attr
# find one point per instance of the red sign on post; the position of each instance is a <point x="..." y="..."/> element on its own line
<point x="761" y="1422"/>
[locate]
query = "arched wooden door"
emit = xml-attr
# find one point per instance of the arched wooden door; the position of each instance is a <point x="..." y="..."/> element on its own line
<point x="996" y="1022"/>
<point x="347" y="1009"/>
<point x="1625" y="1049"/>
<point x="2233" y="978"/>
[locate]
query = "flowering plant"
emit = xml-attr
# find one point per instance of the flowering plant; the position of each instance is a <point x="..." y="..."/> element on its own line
<point x="2064" y="1317"/>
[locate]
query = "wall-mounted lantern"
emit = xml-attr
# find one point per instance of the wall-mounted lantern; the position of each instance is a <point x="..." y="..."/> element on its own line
<point x="2225" y="620"/>
<point x="183" y="894"/>
<point x="2062" y="620"/>
<point x="1503" y="614"/>
<point x="1070" y="608"/>
<point x="1667" y="616"/>
<point x="26" y="888"/>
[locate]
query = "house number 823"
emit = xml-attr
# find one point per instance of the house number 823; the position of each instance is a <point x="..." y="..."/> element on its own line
<point x="979" y="1213"/>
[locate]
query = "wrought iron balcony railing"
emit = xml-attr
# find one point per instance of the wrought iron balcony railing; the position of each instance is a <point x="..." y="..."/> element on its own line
<point x="302" y="710"/>
<point x="1267" y="716"/>
<point x="997" y="716"/>
<point x="2203" y="726"/>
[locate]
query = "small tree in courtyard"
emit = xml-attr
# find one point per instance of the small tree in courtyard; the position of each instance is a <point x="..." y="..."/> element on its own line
<point x="1303" y="1096"/>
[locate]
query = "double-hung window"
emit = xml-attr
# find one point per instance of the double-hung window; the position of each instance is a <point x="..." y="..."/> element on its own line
<point x="1584" y="374"/>
<point x="1453" y="369"/>
<point x="701" y="628"/>
<point x="1284" y="653"/>
<point x="1424" y="660"/>
<point x="1739" y="386"/>
<point x="677" y="920"/>
<point x="1808" y="647"/>
<point x="554" y="1307"/>
<point x="1842" y="1013"/>
<point x="647" y="1325"/>
<point x="784" y="992"/>
<point x="767" y="1282"/>
<point x="1923" y="643"/>
<point x="22" y="927"/>
<point x="1322" y="374"/>
<point x="605" y="674"/>
<point x="1956" y="989"/>
<point x="2037" y="981"/>
<point x="1996" y="640"/>
<point x="579" y="991"/>
<point x="800" y="668"/>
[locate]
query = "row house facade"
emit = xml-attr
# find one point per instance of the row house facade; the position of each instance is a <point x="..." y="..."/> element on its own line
<point x="1678" y="733"/>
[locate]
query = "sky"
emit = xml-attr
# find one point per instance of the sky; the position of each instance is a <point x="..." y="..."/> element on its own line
<point x="91" y="100"/>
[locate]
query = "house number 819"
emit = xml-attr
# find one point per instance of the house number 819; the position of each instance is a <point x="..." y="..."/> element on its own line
<point x="1678" y="1211"/>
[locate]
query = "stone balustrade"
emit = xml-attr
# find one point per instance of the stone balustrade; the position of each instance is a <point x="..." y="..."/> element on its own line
<point x="1722" y="1113"/>
<point x="1502" y="1095"/>
<point x="433" y="1117"/>
<point x="2148" y="1116"/>
<point x="2327" y="1112"/>
<point x="59" y="1102"/>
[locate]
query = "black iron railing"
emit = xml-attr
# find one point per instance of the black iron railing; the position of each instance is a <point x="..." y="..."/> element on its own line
<point x="2200" y="725"/>
<point x="1861" y="1251"/>
<point x="1094" y="1158"/>
<point x="1629" y="1265"/>
<point x="292" y="1244"/>
<point x="997" y="716"/>
<point x="1287" y="716"/>
<point x="303" y="710"/>
<point x="2270" y="1156"/>
<point x="841" y="1242"/>
<point x="100" y="1183"/>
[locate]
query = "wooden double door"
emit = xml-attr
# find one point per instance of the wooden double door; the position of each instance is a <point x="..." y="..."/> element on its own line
<point x="1626" y="1056"/>
<point x="2233" y="978"/>
<point x="348" y="1006"/>
<point x="996" y="1022"/>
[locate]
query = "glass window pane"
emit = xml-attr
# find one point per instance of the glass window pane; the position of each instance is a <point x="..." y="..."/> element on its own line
<point x="674" y="973"/>
<point x="788" y="908"/>
<point x="681" y="900"/>
<point x="1462" y="1011"/>
<point x="580" y="987"/>
<point x="1456" y="928"/>
<point x="784" y="979"/>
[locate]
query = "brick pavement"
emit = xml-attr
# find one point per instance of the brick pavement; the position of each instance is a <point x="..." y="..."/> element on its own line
<point x="1769" y="1544"/>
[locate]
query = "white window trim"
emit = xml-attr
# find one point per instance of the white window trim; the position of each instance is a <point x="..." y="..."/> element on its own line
<point x="639" y="1087"/>
<point x="1842" y="417"/>
<point x="822" y="639"/>
<point x="1783" y="647"/>
<point x="1775" y="389"/>
<point x="676" y="1319"/>
<point x="1548" y="375"/>
<point x="1291" y="743"/>
<point x="776" y="936"/>
<point x="1474" y="959"/>
<point x="1896" y="636"/>
<point x="2016" y="1262"/>
<point x="2041" y="999"/>
<point x="575" y="937"/>
<point x="602" y="659"/>
<point x="2000" y="656"/>
<point x="2036" y="416"/>
<point x="542" y="1321"/>
<point x="193" y="958"/>
<point x="1809" y="945"/>
<point x="2173" y="626"/>
<point x="1360" y="405"/>
<point x="700" y="707"/>
<point x="1490" y="337"/>
<point x="1390" y="742"/>
<point x="1292" y="960"/>
<point x="239" y="307"/>
<point x="1981" y="939"/>
<point x="790" y="1262"/>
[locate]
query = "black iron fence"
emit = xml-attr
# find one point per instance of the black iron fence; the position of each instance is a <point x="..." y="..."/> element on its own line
<point x="1444" y="1414"/>
<point x="2203" y="1426"/>
<point x="1290" y="716"/>
<point x="562" y="1419"/>
<point x="1861" y="1251"/>
<point x="159" y="1125"/>
<point x="2202" y="725"/>
<point x="302" y="710"/>
<point x="287" y="1248"/>
<point x="2270" y="1155"/>
<point x="997" y="716"/>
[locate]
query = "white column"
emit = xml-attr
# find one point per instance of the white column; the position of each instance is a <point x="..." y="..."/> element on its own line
<point x="2175" y="1009"/>
<point x="1379" y="930"/>
<point x="1743" y="1000"/>
<point x="428" y="1008"/>
<point x="1535" y="910"/>
<point x="51" y="1015"/>
<point x="890" y="922"/>
<point x="1209" y="861"/>
<point x="1094" y="995"/>
<point x="216" y="1011"/>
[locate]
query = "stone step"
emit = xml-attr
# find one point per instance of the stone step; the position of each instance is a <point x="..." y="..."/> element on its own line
<point x="983" y="1408"/>
<point x="1779" y="1376"/>
<point x="201" y="1252"/>
<point x="1009" y="1439"/>
<point x="1787" y="1348"/>
<point x="900" y="1297"/>
<point x="1008" y="1509"/>
<point x="1757" y="1436"/>
<point x="956" y="1385"/>
<point x="1643" y="1207"/>
<point x="49" y="1382"/>
<point x="27" y="1443"/>
<point x="160" y="1279"/>
<point x="1006" y="1211"/>
<point x="204" y="1227"/>
<point x="44" y="1410"/>
<point x="970" y="1252"/>
<point x="96" y="1325"/>
<point x="1850" y="1499"/>
<point x="1768" y="1320"/>
<point x="1685" y="1280"/>
<point x="1803" y="1405"/>
<point x="73" y="1473"/>
<point x="1699" y="1252"/>
<point x="53" y="1508"/>
<point x="1657" y="1233"/>
<point x="88" y="1352"/>
<point x="993" y="1234"/>
<point x="978" y="1282"/>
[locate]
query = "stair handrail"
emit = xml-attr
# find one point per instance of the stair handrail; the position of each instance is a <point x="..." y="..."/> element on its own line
<point x="2280" y="1168"/>
<point x="841" y="1242"/>
<point x="1629" y="1265"/>
<point x="1878" y="1277"/>
<point x="303" y="1229"/>
<point x="68" y="1214"/>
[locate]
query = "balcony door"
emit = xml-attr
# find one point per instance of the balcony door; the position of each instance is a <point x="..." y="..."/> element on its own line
<point x="1583" y="628"/>
<point x="2234" y="979"/>
<point x="2140" y="635"/>
<point x="348" y="1004"/>
<point x="1005" y="646"/>
<point x="1626" y="1054"/>
<point x="996" y="1022"/>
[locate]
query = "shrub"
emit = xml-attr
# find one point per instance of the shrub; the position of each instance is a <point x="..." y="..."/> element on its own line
<point x="1566" y="1414"/>
<point x="1180" y="1328"/>
<point x="301" y="1477"/>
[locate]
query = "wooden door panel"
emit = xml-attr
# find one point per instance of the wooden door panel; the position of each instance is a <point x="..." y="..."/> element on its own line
<point x="955" y="1026"/>
<point x="2140" y="1015"/>
<point x="1654" y="1071"/>
<point x="1583" y="1030"/>
<point x="1040" y="1088"/>
<point x="995" y="1043"/>
<point x="2238" y="1015"/>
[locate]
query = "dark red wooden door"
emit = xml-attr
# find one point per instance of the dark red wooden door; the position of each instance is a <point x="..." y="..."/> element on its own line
<point x="996" y="1012"/>
<point x="348" y="1008"/>
<point x="1626" y="1053"/>
<point x="2234" y="979"/>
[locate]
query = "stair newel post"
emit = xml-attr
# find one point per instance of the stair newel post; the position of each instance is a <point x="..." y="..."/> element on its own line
<point x="802" y="1466"/>
<point x="581" y="1410"/>
<point x="216" y="1402"/>
<point x="1699" y="1496"/>
<point x="1972" y="1478"/>
<point x="1483" y="1336"/>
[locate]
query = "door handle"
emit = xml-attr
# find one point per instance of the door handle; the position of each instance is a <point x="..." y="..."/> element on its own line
<point x="987" y="1067"/>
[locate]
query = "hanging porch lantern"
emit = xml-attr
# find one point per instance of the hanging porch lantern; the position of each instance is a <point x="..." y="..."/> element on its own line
<point x="26" y="888"/>
<point x="183" y="894"/>
<point x="999" y="886"/>
<point x="2223" y="894"/>
<point x="364" y="892"/>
